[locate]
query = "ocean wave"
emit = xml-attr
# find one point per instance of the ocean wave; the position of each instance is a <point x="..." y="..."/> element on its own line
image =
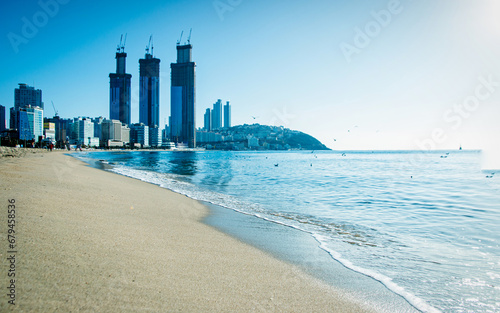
<point x="297" y="222"/>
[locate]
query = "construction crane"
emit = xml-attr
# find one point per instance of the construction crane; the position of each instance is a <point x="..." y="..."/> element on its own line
<point x="179" y="42"/>
<point x="121" y="46"/>
<point x="53" y="106"/>
<point x="124" y="41"/>
<point x="189" y="38"/>
<point x="151" y="38"/>
<point x="150" y="45"/>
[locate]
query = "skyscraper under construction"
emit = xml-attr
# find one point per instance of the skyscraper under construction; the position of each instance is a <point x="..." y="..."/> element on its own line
<point x="149" y="88"/>
<point x="183" y="97"/>
<point x="119" y="88"/>
<point x="149" y="94"/>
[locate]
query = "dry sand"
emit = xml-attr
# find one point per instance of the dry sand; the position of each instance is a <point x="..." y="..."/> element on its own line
<point x="93" y="241"/>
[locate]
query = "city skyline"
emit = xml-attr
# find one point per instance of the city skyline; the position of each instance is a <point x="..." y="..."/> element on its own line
<point x="363" y="75"/>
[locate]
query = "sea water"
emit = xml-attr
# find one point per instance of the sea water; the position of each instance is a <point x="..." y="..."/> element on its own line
<point x="425" y="225"/>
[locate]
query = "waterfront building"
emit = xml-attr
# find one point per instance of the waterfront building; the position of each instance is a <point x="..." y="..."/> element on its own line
<point x="165" y="134"/>
<point x="114" y="133"/>
<point x="83" y="132"/>
<point x="25" y="95"/>
<point x="149" y="91"/>
<point x="29" y="121"/>
<point x="208" y="137"/>
<point x="155" y="136"/>
<point x="3" y="125"/>
<point x="253" y="142"/>
<point x="139" y="134"/>
<point x="227" y="115"/>
<point x="119" y="89"/>
<point x="217" y="115"/>
<point x="49" y="130"/>
<point x="62" y="129"/>
<point x="97" y="121"/>
<point x="207" y="120"/>
<point x="183" y="97"/>
<point x="111" y="130"/>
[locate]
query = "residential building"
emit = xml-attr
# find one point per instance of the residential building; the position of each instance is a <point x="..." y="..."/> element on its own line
<point x="97" y="121"/>
<point x="227" y="115"/>
<point x="62" y="129"/>
<point x="183" y="97"/>
<point x="83" y="132"/>
<point x="119" y="90"/>
<point x="149" y="90"/>
<point x="208" y="137"/>
<point x="217" y="115"/>
<point x="125" y="134"/>
<point x="139" y="134"/>
<point x="253" y="142"/>
<point x="49" y="130"/>
<point x="111" y="130"/>
<point x="29" y="121"/>
<point x="3" y="125"/>
<point x="114" y="133"/>
<point x="155" y="139"/>
<point x="207" y="120"/>
<point x="165" y="134"/>
<point x="25" y="95"/>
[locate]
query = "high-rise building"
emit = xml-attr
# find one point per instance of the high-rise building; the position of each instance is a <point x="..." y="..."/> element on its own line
<point x="114" y="133"/>
<point x="139" y="134"/>
<point x="3" y="125"/>
<point x="207" y="120"/>
<point x="26" y="95"/>
<point x="97" y="121"/>
<point x="217" y="115"/>
<point x="227" y="115"/>
<point x="29" y="121"/>
<point x="36" y="121"/>
<point x="154" y="136"/>
<point x="62" y="128"/>
<point x="111" y="130"/>
<point x="149" y="90"/>
<point x="183" y="98"/>
<point x="49" y="130"/>
<point x="119" y="89"/>
<point x="165" y="134"/>
<point x="83" y="132"/>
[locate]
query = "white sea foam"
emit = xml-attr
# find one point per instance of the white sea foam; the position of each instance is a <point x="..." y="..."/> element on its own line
<point x="419" y="230"/>
<point x="229" y="202"/>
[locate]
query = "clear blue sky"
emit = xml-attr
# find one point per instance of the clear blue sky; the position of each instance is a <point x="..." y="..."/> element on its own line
<point x="300" y="64"/>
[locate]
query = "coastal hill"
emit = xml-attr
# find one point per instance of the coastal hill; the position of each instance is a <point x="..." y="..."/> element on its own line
<point x="265" y="137"/>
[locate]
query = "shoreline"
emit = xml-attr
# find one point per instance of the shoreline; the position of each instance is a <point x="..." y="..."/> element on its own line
<point x="93" y="240"/>
<point x="323" y="266"/>
<point x="301" y="249"/>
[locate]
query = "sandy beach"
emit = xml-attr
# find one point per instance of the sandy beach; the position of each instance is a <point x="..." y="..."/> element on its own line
<point x="93" y="241"/>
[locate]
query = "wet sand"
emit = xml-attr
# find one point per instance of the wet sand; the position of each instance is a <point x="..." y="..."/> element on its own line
<point x="90" y="240"/>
